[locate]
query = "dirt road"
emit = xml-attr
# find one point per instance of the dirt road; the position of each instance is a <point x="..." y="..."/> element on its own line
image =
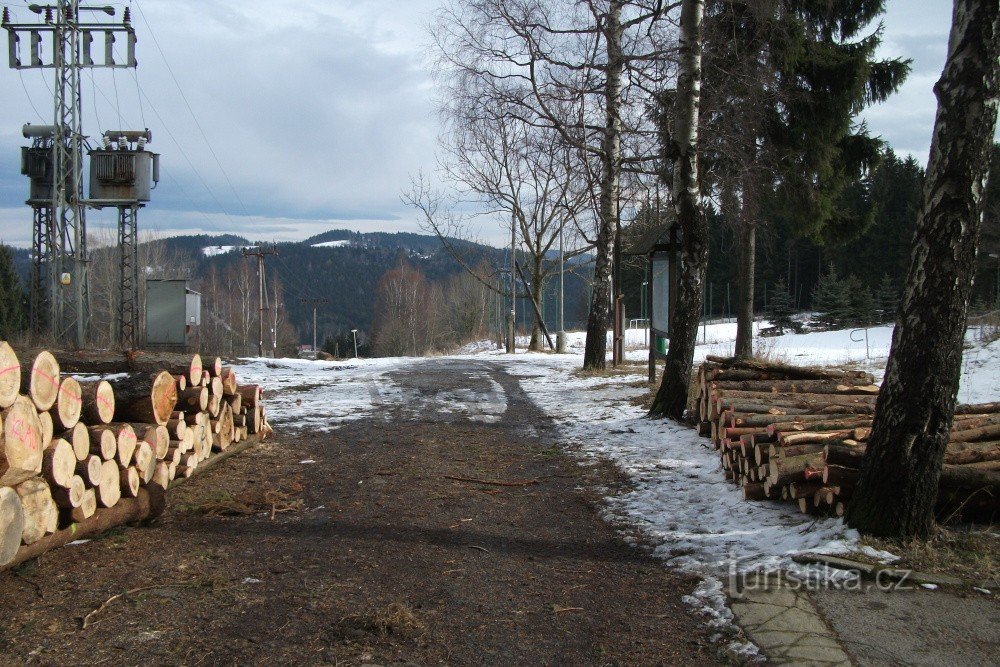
<point x="371" y="553"/>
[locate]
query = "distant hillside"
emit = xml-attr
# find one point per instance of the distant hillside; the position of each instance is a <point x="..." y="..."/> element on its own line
<point x="345" y="267"/>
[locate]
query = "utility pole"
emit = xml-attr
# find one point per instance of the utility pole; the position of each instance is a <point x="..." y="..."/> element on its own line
<point x="314" y="303"/>
<point x="260" y="253"/>
<point x="62" y="43"/>
<point x="561" y="335"/>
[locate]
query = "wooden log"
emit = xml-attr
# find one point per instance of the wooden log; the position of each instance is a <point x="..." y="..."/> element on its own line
<point x="824" y="496"/>
<point x="182" y="382"/>
<point x="78" y="438"/>
<point x="782" y="451"/>
<point x="250" y="394"/>
<point x="10" y="375"/>
<point x="90" y="470"/>
<point x="69" y="404"/>
<point x="109" y="490"/>
<point x="205" y="378"/>
<point x="145" y="397"/>
<point x="161" y="474"/>
<point x="148" y="504"/>
<point x="977" y="409"/>
<point x="85" y="510"/>
<point x="41" y="515"/>
<point x="960" y="453"/>
<point x="843" y="454"/>
<point x="235" y="403"/>
<point x="21" y="446"/>
<point x="125" y="442"/>
<point x="803" y="489"/>
<point x="48" y="431"/>
<point x="98" y="402"/>
<point x="11" y="524"/>
<point x="970" y="478"/>
<point x="845" y="478"/>
<point x="230" y="384"/>
<point x="987" y="432"/>
<point x="791" y="400"/>
<point x="129" y="481"/>
<point x="214" y="404"/>
<point x="145" y="461"/>
<point x="69" y="496"/>
<point x="103" y="441"/>
<point x="194" y="399"/>
<point x="754" y="491"/>
<point x="812" y="438"/>
<point x="40" y="381"/>
<point x="786" y="470"/>
<point x="785" y="387"/>
<point x="823" y="425"/>
<point x="789" y="371"/>
<point x="59" y="463"/>
<point x="214" y="386"/>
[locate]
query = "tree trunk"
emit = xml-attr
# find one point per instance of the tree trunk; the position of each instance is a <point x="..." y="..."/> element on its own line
<point x="898" y="485"/>
<point x="595" y="351"/>
<point x="536" y="294"/>
<point x="671" y="398"/>
<point x="745" y="286"/>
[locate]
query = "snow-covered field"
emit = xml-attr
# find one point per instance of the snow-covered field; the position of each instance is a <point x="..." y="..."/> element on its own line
<point x="679" y="501"/>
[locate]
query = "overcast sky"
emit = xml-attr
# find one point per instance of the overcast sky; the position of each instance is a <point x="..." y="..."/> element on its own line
<point x="291" y="118"/>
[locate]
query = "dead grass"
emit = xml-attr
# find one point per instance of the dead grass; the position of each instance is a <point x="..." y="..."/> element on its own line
<point x="973" y="555"/>
<point x="397" y="619"/>
<point x="250" y="500"/>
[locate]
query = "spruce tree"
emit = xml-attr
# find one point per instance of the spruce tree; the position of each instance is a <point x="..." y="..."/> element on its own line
<point x="831" y="301"/>
<point x="13" y="313"/>
<point x="861" y="303"/>
<point x="887" y="299"/>
<point x="780" y="309"/>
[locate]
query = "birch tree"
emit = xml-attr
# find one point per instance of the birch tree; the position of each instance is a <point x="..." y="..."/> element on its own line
<point x="681" y="146"/>
<point x="897" y="488"/>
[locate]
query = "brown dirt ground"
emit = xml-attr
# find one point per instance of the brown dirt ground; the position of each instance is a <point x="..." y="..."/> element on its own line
<point x="370" y="555"/>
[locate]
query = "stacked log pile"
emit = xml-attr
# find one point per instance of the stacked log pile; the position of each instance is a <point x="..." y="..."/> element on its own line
<point x="799" y="434"/>
<point x="71" y="448"/>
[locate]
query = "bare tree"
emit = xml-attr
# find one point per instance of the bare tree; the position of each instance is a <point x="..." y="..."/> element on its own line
<point x="582" y="69"/>
<point x="671" y="397"/>
<point x="897" y="488"/>
<point x="509" y="170"/>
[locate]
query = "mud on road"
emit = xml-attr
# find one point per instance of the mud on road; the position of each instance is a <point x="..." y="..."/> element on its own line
<point x="374" y="553"/>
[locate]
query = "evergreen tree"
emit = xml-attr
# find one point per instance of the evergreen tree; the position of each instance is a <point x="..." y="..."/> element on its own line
<point x="887" y="299"/>
<point x="780" y="309"/>
<point x="13" y="312"/>
<point x="861" y="303"/>
<point x="831" y="301"/>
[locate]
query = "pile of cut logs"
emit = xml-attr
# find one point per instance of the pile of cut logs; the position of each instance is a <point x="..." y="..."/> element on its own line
<point x="799" y="434"/>
<point x="72" y="446"/>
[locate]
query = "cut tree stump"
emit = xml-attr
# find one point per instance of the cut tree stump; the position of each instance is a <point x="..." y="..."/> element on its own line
<point x="10" y="375"/>
<point x="40" y="382"/>
<point x="11" y="524"/>
<point x="21" y="448"/>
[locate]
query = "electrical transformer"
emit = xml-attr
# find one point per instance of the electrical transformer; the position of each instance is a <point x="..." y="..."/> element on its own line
<point x="123" y="170"/>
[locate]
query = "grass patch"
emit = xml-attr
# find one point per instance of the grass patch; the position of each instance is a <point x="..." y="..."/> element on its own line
<point x="973" y="555"/>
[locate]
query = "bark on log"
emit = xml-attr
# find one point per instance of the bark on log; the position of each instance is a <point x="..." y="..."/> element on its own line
<point x="229" y="381"/>
<point x="250" y="394"/>
<point x="194" y="399"/>
<point x="10" y="375"/>
<point x="145" y="397"/>
<point x="69" y="404"/>
<point x="40" y="381"/>
<point x="90" y="470"/>
<point x="11" y="525"/>
<point x="129" y="481"/>
<point x="790" y="372"/>
<point x="48" y="431"/>
<point x="21" y="447"/>
<point x="126" y="442"/>
<point x="797" y="387"/>
<point x="988" y="432"/>
<point x="147" y="505"/>
<point x="86" y="509"/>
<point x="98" y="402"/>
<point x="104" y="442"/>
<point x="69" y="496"/>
